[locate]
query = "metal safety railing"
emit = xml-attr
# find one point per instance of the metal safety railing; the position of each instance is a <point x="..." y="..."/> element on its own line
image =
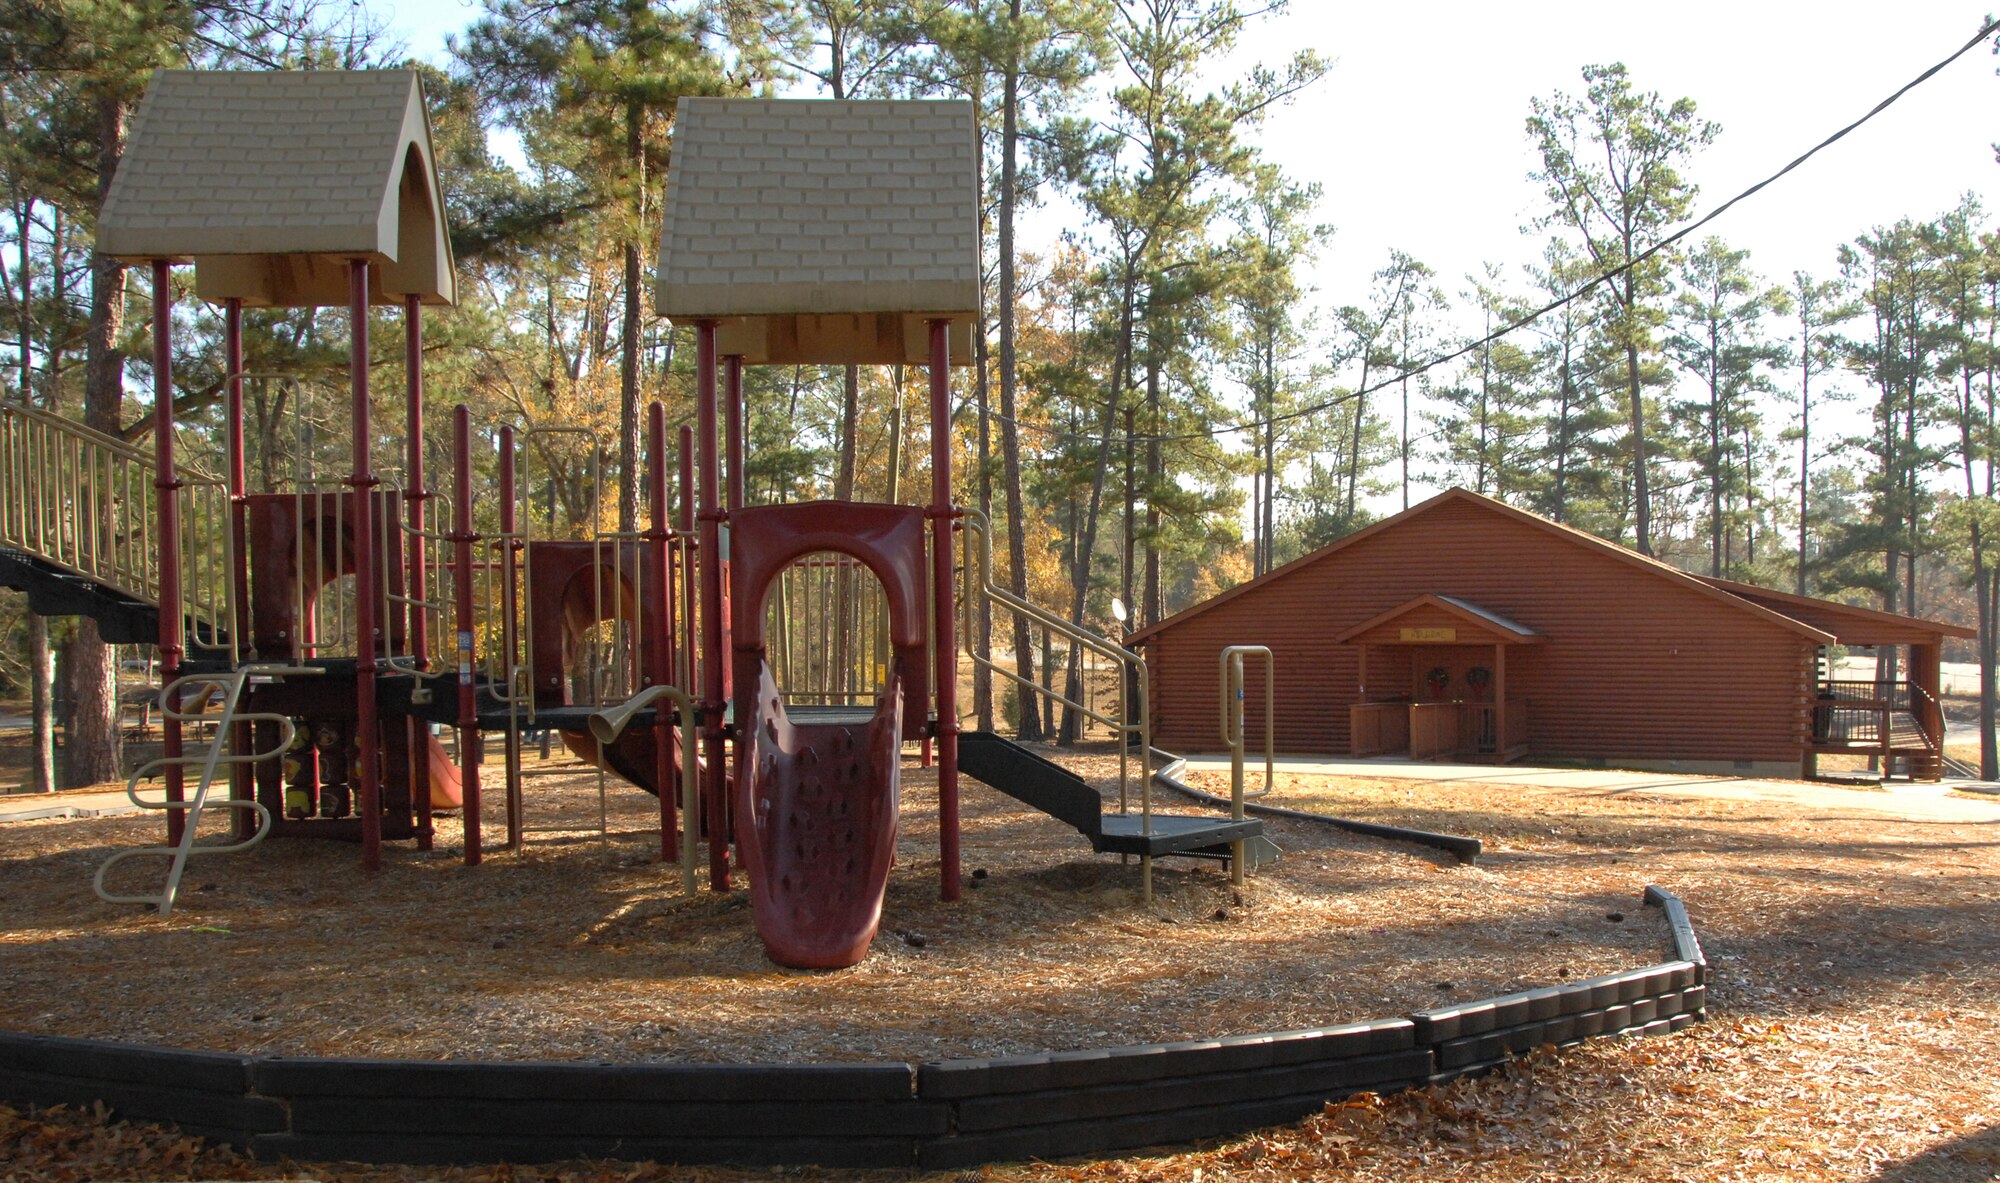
<point x="1130" y="723"/>
<point x="605" y="727"/>
<point x="827" y="632"/>
<point x="433" y="549"/>
<point x="201" y="690"/>
<point x="86" y="502"/>
<point x="1231" y="696"/>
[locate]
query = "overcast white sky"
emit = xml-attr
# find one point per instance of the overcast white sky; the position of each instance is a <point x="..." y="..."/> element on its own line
<point x="1417" y="133"/>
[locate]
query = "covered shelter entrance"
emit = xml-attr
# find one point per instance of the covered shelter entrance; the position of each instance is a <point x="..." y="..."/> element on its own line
<point x="1433" y="682"/>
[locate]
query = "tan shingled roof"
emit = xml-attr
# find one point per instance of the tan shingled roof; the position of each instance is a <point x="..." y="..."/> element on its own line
<point x="831" y="228"/>
<point x="269" y="180"/>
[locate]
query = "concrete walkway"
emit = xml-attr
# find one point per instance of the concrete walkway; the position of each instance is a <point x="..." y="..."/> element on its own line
<point x="1915" y="802"/>
<point x="27" y="807"/>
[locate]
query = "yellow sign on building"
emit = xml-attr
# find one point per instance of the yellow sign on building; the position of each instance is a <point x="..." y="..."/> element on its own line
<point x="1430" y="634"/>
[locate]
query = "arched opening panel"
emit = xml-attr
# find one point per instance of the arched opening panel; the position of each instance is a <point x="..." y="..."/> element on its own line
<point x="826" y="632"/>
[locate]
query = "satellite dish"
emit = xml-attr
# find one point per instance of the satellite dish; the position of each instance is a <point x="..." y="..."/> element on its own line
<point x="1118" y="611"/>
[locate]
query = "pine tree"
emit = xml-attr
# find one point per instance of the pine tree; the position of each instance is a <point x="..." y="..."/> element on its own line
<point x="1715" y="336"/>
<point x="1611" y="163"/>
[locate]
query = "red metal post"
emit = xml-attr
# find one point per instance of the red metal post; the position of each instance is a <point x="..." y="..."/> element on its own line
<point x="661" y="648"/>
<point x="232" y="347"/>
<point x="687" y="637"/>
<point x="242" y="786"/>
<point x="462" y="587"/>
<point x="167" y="496"/>
<point x="415" y="497"/>
<point x="733" y="487"/>
<point x="366" y="776"/>
<point x="687" y="477"/>
<point x="732" y="402"/>
<point x="712" y="651"/>
<point x="509" y="593"/>
<point x="945" y="656"/>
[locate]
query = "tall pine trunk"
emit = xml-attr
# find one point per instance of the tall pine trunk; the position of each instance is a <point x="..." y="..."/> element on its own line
<point x="628" y="348"/>
<point x="41" y="671"/>
<point x="1642" y="499"/>
<point x="1121" y="362"/>
<point x="93" y="753"/>
<point x="1010" y="443"/>
<point x="982" y="622"/>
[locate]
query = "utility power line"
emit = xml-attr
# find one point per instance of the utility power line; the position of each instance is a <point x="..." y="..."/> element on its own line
<point x="1523" y="321"/>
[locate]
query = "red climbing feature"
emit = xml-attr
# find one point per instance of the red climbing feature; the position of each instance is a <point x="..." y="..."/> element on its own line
<point x="816" y="802"/>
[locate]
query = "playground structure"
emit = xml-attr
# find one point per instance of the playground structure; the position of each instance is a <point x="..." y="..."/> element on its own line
<point x="343" y="617"/>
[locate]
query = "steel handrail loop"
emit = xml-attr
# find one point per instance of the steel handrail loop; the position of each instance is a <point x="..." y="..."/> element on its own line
<point x="1231" y="701"/>
<point x="607" y="724"/>
<point x="172" y="699"/>
<point x="1133" y="703"/>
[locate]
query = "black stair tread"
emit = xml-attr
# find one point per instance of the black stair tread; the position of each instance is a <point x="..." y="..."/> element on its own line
<point x="1040" y="782"/>
<point x="1172" y="833"/>
<point x="849" y="716"/>
<point x="55" y="590"/>
<point x="1032" y="779"/>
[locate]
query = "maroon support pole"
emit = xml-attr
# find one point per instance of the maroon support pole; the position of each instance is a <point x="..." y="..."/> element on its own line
<point x="415" y="497"/>
<point x="468" y="694"/>
<point x="167" y="497"/>
<point x="509" y="591"/>
<point x="366" y="775"/>
<point x="687" y="477"/>
<point x="712" y="655"/>
<point x="945" y="656"/>
<point x="660" y="647"/>
<point x="732" y="402"/>
<point x="242" y="786"/>
<point x="687" y="635"/>
<point x="734" y="484"/>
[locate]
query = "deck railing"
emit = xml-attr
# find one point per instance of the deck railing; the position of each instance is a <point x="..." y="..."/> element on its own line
<point x="84" y="501"/>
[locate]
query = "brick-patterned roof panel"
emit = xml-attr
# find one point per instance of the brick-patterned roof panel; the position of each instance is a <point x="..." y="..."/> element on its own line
<point x="778" y="206"/>
<point x="258" y="162"/>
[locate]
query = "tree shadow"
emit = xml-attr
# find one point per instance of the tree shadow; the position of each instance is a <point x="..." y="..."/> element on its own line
<point x="1972" y="1158"/>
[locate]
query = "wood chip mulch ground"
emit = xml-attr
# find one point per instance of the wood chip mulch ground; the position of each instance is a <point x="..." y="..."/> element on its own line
<point x="1851" y="1037"/>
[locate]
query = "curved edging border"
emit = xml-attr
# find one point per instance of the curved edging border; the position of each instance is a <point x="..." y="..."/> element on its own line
<point x="943" y="1114"/>
<point x="1464" y="849"/>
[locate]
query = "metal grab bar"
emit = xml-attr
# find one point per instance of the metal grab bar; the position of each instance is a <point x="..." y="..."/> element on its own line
<point x="231" y="684"/>
<point x="1231" y="697"/>
<point x="436" y="609"/>
<point x="1135" y="717"/>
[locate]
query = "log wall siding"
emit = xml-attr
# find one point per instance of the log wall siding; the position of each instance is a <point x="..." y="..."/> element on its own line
<point x="1633" y="664"/>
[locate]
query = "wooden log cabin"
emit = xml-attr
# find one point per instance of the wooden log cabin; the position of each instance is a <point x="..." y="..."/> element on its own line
<point x="1464" y="628"/>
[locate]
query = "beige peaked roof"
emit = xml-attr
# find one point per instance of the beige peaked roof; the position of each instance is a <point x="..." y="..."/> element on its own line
<point x="823" y="231"/>
<point x="269" y="180"/>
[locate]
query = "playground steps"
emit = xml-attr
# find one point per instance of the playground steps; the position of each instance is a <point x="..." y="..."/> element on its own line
<point x="1047" y="786"/>
<point x="53" y="591"/>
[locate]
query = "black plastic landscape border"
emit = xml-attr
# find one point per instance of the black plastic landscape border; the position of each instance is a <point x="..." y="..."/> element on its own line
<point x="1464" y="849"/>
<point x="944" y="1114"/>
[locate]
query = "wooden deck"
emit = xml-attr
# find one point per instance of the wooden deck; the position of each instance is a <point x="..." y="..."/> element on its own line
<point x="1880" y="719"/>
